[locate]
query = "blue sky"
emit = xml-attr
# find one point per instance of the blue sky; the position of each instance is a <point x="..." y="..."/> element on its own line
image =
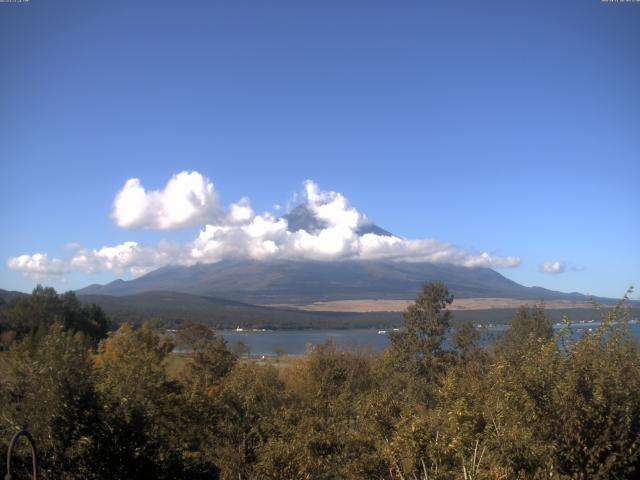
<point x="507" y="128"/>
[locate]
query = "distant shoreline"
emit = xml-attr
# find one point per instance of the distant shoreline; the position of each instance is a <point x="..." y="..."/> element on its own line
<point x="383" y="305"/>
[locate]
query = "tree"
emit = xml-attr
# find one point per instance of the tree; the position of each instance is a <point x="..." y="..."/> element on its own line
<point x="48" y="387"/>
<point x="465" y="338"/>
<point x="248" y="398"/>
<point x="210" y="363"/>
<point x="529" y="323"/>
<point x="322" y="433"/>
<point x="425" y="322"/>
<point x="204" y="409"/>
<point x="280" y="351"/>
<point x="142" y="405"/>
<point x="415" y="352"/>
<point x="194" y="336"/>
<point x="240" y="348"/>
<point x="34" y="314"/>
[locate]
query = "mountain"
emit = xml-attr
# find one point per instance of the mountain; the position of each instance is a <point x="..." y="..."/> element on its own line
<point x="264" y="294"/>
<point x="173" y="308"/>
<point x="302" y="218"/>
<point x="7" y="295"/>
<point x="289" y="281"/>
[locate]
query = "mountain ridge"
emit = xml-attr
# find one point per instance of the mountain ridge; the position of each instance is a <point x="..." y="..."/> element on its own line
<point x="303" y="218"/>
<point x="282" y="281"/>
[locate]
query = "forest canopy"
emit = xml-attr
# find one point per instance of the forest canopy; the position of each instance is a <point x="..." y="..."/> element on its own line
<point x="119" y="405"/>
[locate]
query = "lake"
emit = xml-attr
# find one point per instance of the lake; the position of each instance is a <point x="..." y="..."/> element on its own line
<point x="295" y="342"/>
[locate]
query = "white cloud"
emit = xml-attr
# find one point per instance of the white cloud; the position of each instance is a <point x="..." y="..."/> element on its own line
<point x="240" y="233"/>
<point x="241" y="211"/>
<point x="331" y="207"/>
<point x="265" y="236"/>
<point x="187" y="200"/>
<point x="128" y="256"/>
<point x="38" y="266"/>
<point x="491" y="261"/>
<point x="552" y="266"/>
<point x="428" y="250"/>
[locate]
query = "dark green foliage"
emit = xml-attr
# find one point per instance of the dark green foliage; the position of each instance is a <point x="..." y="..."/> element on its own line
<point x="194" y="336"/>
<point x="465" y="339"/>
<point x="48" y="387"/>
<point x="416" y="351"/>
<point x="141" y="404"/>
<point x="34" y="314"/>
<point x="322" y="432"/>
<point x="248" y="399"/>
<point x="426" y="321"/>
<point x="210" y="365"/>
<point x="529" y="324"/>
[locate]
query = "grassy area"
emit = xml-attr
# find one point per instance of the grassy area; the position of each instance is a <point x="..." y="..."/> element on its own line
<point x="282" y="361"/>
<point x="176" y="362"/>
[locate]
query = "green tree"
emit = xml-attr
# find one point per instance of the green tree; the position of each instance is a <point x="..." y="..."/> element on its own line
<point x="194" y="336"/>
<point x="415" y="359"/>
<point x="142" y="405"/>
<point x="210" y="364"/>
<point x="34" y="314"/>
<point x="465" y="339"/>
<point x="529" y="324"/>
<point x="240" y="348"/>
<point x="203" y="413"/>
<point x="47" y="386"/>
<point x="426" y="322"/>
<point x="322" y="433"/>
<point x="249" y="397"/>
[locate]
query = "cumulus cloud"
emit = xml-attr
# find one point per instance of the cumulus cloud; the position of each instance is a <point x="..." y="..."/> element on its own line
<point x="428" y="250"/>
<point x="241" y="211"/>
<point x="131" y="257"/>
<point x="334" y="234"/>
<point x="331" y="207"/>
<point x="38" y="266"/>
<point x="552" y="266"/>
<point x="188" y="199"/>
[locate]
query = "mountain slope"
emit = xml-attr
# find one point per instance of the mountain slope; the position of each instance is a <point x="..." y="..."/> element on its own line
<point x="297" y="281"/>
<point x="7" y="295"/>
<point x="172" y="309"/>
<point x="287" y="281"/>
<point x="302" y="218"/>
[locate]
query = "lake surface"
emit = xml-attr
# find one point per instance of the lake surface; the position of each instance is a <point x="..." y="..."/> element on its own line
<point x="295" y="342"/>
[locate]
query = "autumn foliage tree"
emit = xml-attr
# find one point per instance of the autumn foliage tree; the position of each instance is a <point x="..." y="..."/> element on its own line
<point x="436" y="404"/>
